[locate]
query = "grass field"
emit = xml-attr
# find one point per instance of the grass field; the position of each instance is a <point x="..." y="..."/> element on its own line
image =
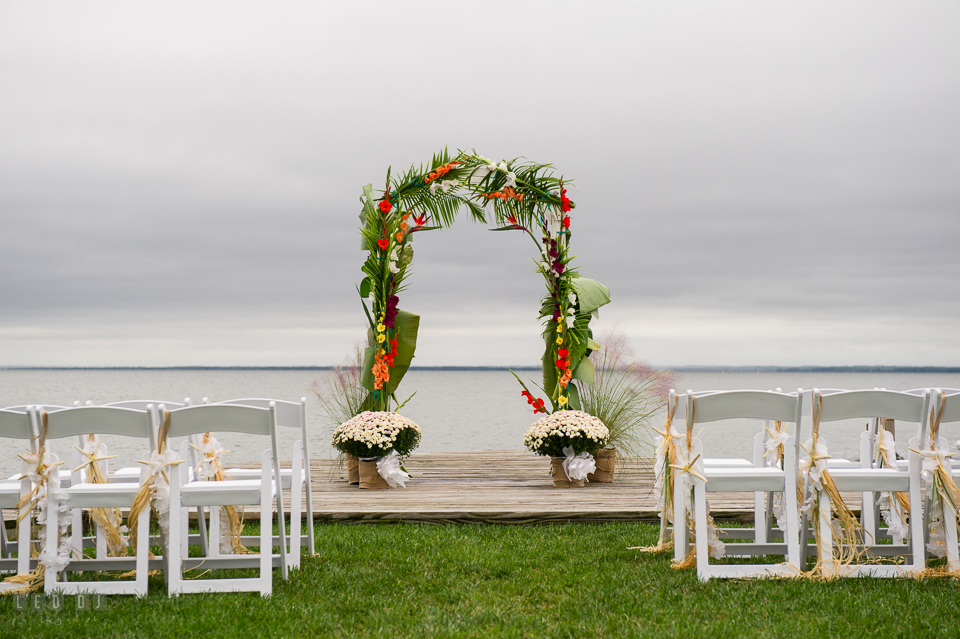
<point x="574" y="580"/>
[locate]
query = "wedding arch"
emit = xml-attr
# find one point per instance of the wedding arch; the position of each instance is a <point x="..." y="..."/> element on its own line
<point x="519" y="196"/>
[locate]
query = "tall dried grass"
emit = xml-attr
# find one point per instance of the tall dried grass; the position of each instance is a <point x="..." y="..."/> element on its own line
<point x="340" y="392"/>
<point x="625" y="395"/>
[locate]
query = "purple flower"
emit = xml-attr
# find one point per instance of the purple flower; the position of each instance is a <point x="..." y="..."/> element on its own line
<point x="391" y="313"/>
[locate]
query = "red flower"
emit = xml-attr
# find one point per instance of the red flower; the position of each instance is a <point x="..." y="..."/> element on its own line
<point x="563" y="353"/>
<point x="564" y="201"/>
<point x="538" y="407"/>
<point x="566" y="222"/>
<point x="384" y="243"/>
<point x="561" y="364"/>
<point x="385" y="206"/>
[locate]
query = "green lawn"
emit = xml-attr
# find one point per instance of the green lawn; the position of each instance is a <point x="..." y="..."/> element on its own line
<point x="490" y="581"/>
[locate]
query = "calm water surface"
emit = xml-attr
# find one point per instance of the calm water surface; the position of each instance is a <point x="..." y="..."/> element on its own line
<point x="457" y="410"/>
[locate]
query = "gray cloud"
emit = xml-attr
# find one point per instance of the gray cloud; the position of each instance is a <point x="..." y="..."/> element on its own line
<point x="169" y="171"/>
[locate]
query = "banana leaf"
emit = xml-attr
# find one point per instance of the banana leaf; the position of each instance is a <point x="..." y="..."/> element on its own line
<point x="406" y="325"/>
<point x="584" y="371"/>
<point x="367" y="215"/>
<point x="591" y="294"/>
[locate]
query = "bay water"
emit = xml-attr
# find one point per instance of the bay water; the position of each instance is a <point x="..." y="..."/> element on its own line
<point x="457" y="410"/>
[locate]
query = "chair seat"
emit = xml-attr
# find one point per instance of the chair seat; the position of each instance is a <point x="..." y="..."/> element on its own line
<point x="9" y="494"/>
<point x="743" y="479"/>
<point x="286" y="475"/>
<point x="725" y="463"/>
<point x="124" y="475"/>
<point x="222" y="493"/>
<point x="871" y="479"/>
<point x="102" y="495"/>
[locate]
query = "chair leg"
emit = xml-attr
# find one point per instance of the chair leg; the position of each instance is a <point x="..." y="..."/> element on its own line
<point x="266" y="527"/>
<point x="296" y="508"/>
<point x="680" y="535"/>
<point x="173" y="552"/>
<point x="700" y="531"/>
<point x="23" y="545"/>
<point x="825" y="550"/>
<point x="143" y="553"/>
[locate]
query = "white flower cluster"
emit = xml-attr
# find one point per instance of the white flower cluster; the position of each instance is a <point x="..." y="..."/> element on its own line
<point x="565" y="424"/>
<point x="378" y="430"/>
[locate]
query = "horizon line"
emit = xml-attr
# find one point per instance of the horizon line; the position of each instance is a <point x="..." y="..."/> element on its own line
<point x="680" y="369"/>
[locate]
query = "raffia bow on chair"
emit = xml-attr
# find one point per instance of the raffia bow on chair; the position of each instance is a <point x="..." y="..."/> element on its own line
<point x="666" y="458"/>
<point x="212" y="470"/>
<point x="109" y="520"/>
<point x="155" y="485"/>
<point x="777" y="437"/>
<point x="850" y="533"/>
<point x="895" y="506"/>
<point x="943" y="489"/>
<point x="48" y="499"/>
<point x="686" y="463"/>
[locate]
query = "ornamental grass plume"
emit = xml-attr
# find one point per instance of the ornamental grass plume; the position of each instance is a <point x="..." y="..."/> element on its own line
<point x="625" y="394"/>
<point x="340" y="393"/>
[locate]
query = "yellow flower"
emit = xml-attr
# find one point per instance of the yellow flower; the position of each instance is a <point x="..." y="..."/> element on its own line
<point x="381" y="328"/>
<point x="380" y="338"/>
<point x="562" y="401"/>
<point x="559" y="340"/>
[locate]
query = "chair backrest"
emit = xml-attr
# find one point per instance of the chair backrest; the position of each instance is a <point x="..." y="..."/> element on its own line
<point x="289" y="414"/>
<point x="747" y="404"/>
<point x="681" y="403"/>
<point x="100" y="420"/>
<point x="16" y="425"/>
<point x="143" y="404"/>
<point x="871" y="404"/>
<point x="231" y="418"/>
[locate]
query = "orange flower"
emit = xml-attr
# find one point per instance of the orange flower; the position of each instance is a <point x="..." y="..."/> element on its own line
<point x="567" y="376"/>
<point x="403" y="225"/>
<point x="400" y="236"/>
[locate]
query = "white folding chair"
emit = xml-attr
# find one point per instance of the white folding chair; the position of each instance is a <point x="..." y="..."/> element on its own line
<point x="759" y="405"/>
<point x="865" y="479"/>
<point x="184" y="493"/>
<point x="296" y="478"/>
<point x="763" y="501"/>
<point x="79" y="421"/>
<point x="16" y="425"/>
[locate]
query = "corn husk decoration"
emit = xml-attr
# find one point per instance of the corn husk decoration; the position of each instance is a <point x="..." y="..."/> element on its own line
<point x="50" y="503"/>
<point x="894" y="507"/>
<point x="666" y="458"/>
<point x="686" y="462"/>
<point x="108" y="520"/>
<point x="155" y="485"/>
<point x="210" y="468"/>
<point x="941" y="487"/>
<point x="776" y="439"/>
<point x="847" y="530"/>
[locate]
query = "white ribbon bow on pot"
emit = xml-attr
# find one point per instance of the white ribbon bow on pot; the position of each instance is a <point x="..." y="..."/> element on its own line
<point x="389" y="469"/>
<point x="577" y="467"/>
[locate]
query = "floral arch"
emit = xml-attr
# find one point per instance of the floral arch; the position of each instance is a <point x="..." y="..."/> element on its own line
<point x="517" y="196"/>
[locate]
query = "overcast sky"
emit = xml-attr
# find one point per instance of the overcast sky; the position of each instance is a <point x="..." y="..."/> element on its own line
<point x="757" y="182"/>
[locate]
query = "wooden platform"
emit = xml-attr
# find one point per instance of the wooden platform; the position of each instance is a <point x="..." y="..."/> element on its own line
<point x="506" y="487"/>
<point x="497" y="487"/>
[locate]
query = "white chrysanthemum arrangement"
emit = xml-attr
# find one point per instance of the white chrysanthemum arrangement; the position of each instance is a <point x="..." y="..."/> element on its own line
<point x="549" y="435"/>
<point x="375" y="434"/>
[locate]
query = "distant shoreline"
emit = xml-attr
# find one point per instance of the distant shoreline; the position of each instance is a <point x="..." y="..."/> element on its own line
<point x="678" y="369"/>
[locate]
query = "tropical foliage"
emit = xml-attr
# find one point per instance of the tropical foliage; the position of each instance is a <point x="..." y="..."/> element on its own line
<point x="518" y="196"/>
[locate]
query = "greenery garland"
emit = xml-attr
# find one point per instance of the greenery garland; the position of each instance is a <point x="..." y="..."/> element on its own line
<point x="521" y="196"/>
